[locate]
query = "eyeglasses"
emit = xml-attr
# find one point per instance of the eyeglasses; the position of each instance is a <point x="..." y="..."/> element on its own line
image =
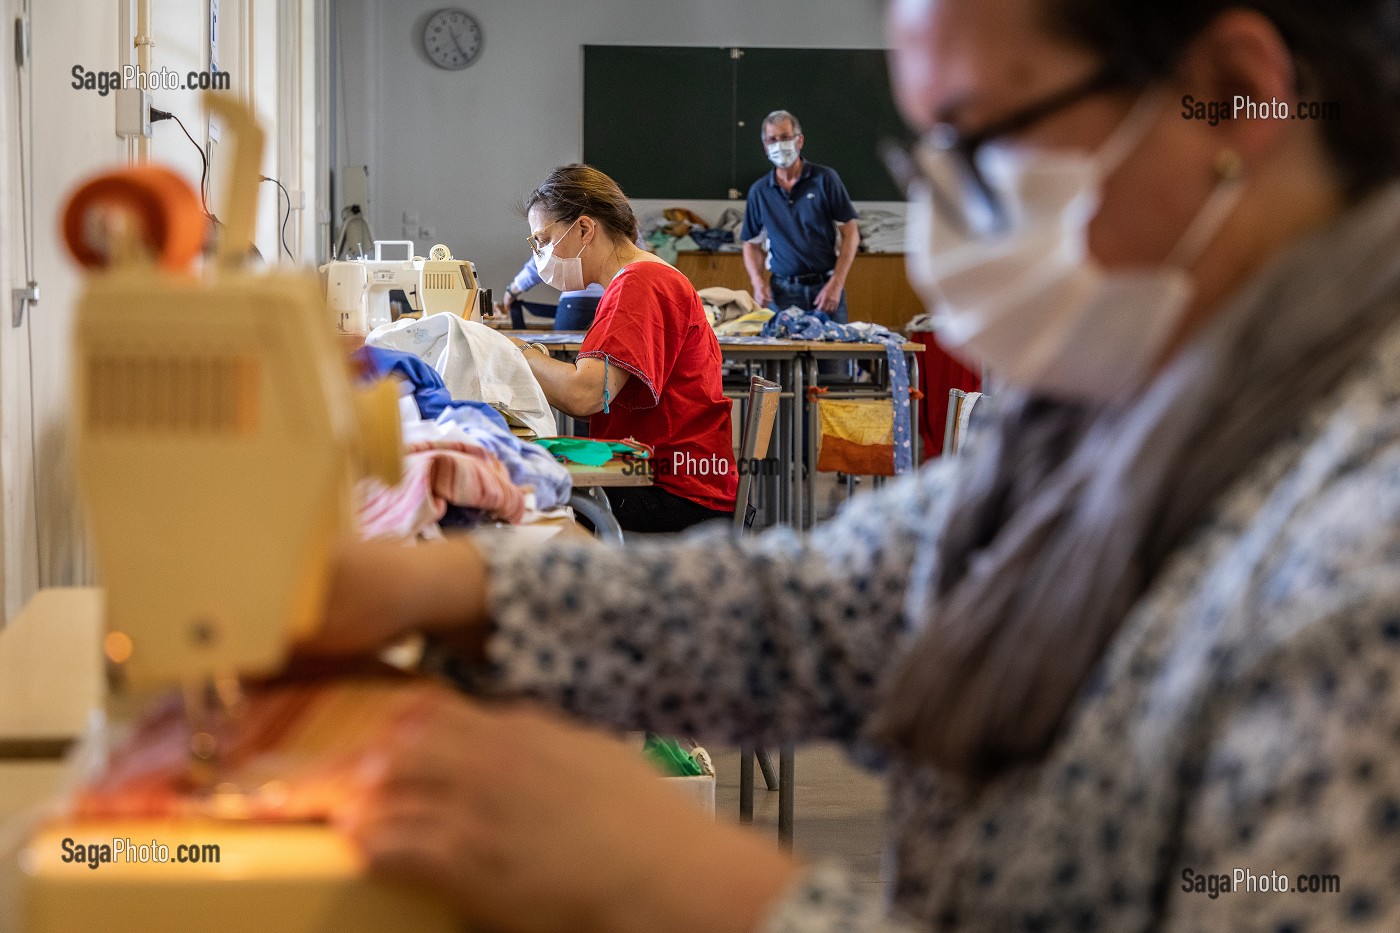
<point x="534" y="240"/>
<point x="770" y="140"/>
<point x="963" y="192"/>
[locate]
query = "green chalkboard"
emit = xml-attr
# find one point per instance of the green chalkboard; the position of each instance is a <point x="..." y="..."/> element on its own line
<point x="680" y="123"/>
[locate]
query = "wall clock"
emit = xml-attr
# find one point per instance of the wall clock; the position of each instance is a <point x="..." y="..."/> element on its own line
<point x="452" y="39"/>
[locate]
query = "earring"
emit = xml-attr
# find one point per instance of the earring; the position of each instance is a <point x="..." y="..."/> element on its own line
<point x="1228" y="165"/>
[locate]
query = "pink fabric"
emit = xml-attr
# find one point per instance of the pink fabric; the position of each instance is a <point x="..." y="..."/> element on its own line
<point x="438" y="474"/>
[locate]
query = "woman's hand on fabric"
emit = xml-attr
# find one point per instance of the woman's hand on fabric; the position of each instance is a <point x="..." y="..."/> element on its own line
<point x="528" y="824"/>
<point x="381" y="591"/>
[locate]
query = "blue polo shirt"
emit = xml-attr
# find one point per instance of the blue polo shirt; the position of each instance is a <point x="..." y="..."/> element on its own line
<point x="801" y="223"/>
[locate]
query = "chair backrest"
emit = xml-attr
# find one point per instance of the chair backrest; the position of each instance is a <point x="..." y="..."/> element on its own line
<point x="960" y="407"/>
<point x="950" y="426"/>
<point x="754" y="442"/>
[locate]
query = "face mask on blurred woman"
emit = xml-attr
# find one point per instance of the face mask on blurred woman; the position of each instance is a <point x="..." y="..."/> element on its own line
<point x="1021" y="293"/>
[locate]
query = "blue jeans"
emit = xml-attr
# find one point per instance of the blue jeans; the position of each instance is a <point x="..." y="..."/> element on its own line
<point x="789" y="294"/>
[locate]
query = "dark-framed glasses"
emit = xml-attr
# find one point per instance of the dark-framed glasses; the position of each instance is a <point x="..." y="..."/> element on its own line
<point x="945" y="159"/>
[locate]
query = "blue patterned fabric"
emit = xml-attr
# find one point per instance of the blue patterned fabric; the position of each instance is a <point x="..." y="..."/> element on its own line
<point x="1244" y="716"/>
<point x="816" y="325"/>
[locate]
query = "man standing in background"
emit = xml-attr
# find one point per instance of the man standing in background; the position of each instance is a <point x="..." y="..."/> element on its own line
<point x="799" y="205"/>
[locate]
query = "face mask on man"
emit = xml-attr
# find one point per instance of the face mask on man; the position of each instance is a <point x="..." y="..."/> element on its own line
<point x="782" y="153"/>
<point x="557" y="272"/>
<point x="1030" y="302"/>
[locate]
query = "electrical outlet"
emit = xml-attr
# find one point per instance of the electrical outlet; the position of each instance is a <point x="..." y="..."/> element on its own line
<point x="133" y="112"/>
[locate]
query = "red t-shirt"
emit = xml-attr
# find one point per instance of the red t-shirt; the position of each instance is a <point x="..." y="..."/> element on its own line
<point x="650" y="322"/>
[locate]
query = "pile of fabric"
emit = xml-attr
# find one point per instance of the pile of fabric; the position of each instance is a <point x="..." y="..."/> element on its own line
<point x="843" y="420"/>
<point x="463" y="464"/>
<point x="678" y="230"/>
<point x="732" y="312"/>
<point x="881" y="231"/>
<point x="475" y="362"/>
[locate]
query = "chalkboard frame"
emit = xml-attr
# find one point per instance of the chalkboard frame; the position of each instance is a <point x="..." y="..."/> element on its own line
<point x="683" y="122"/>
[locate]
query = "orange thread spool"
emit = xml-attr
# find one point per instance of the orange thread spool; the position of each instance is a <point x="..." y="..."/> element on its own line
<point x="164" y="207"/>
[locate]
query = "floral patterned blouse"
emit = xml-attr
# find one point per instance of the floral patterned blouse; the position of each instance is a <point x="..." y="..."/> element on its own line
<point x="1240" y="735"/>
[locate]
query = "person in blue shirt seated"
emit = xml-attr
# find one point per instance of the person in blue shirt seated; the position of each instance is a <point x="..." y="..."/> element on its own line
<point x="574" y="312"/>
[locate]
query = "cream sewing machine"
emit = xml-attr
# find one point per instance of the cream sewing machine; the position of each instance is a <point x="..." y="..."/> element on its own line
<point x="357" y="290"/>
<point x="217" y="435"/>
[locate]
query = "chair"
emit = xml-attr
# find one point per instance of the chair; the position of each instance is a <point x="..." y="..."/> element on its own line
<point x="753" y="446"/>
<point x="753" y="443"/>
<point x="960" y="406"/>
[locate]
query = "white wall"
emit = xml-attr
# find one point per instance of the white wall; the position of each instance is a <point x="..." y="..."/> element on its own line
<point x="74" y="137"/>
<point x="459" y="148"/>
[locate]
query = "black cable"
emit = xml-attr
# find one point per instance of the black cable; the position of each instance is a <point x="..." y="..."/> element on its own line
<point x="286" y="219"/>
<point x="157" y="115"/>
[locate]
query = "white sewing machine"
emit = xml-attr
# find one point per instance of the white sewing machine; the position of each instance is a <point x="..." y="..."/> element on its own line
<point x="217" y="434"/>
<point x="357" y="290"/>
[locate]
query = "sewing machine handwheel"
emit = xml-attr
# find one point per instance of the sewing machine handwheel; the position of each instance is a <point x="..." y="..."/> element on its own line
<point x="162" y="208"/>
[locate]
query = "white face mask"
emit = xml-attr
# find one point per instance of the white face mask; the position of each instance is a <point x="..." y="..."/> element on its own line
<point x="782" y="153"/>
<point x="1032" y="304"/>
<point x="563" y="274"/>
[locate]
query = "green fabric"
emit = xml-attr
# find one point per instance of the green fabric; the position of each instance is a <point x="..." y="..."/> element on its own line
<point x="584" y="451"/>
<point x="669" y="758"/>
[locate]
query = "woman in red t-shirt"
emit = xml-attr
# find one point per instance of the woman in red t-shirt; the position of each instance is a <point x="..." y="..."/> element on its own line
<point x="649" y="367"/>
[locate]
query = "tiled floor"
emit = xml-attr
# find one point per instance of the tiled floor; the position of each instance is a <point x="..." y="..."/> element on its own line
<point x="839" y="810"/>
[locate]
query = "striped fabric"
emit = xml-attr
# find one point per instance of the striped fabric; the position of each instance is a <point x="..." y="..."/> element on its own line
<point x="438" y="474"/>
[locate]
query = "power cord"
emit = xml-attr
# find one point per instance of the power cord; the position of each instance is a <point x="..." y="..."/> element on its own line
<point x="286" y="219"/>
<point x="158" y="115"/>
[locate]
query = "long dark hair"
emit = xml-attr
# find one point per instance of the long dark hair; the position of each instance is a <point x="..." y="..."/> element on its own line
<point x="1345" y="51"/>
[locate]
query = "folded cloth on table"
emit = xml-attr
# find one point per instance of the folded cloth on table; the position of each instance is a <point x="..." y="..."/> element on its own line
<point x="747" y="325"/>
<point x="711" y="240"/>
<point x="881" y="231"/>
<point x="436" y="474"/>
<point x="729" y="303"/>
<point x="528" y="465"/>
<point x="476" y="363"/>
<point x="429" y="391"/>
<point x="587" y="452"/>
